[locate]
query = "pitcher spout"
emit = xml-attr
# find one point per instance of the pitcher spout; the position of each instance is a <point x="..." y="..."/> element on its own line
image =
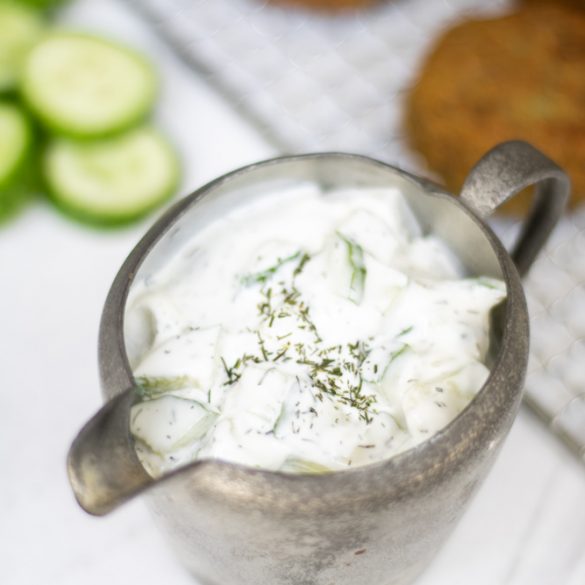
<point x="102" y="465"/>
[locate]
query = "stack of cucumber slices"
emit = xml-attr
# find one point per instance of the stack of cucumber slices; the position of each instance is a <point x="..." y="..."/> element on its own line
<point x="73" y="118"/>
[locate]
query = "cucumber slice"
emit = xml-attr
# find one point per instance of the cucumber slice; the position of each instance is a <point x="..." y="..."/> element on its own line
<point x="20" y="29"/>
<point x="15" y="141"/>
<point x="376" y="364"/>
<point x="13" y="199"/>
<point x="150" y="388"/>
<point x="169" y="423"/>
<point x="86" y="87"/>
<point x="111" y="181"/>
<point x="44" y="5"/>
<point x="15" y="152"/>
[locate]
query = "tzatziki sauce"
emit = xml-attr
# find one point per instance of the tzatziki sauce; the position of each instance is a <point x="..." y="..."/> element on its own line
<point x="305" y="332"/>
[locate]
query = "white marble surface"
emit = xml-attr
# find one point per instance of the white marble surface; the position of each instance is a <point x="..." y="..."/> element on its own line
<point x="525" y="527"/>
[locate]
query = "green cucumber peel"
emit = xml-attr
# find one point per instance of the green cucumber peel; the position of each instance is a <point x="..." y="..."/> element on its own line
<point x="153" y="387"/>
<point x="355" y="256"/>
<point x="487" y="282"/>
<point x="20" y="27"/>
<point x="44" y="5"/>
<point x="195" y="432"/>
<point x="18" y="163"/>
<point x="111" y="182"/>
<point x="297" y="465"/>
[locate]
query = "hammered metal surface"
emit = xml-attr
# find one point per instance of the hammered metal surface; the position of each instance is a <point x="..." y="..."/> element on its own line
<point x="314" y="82"/>
<point x="381" y="523"/>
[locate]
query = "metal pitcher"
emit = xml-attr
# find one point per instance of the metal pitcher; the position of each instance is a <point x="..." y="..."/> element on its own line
<point x="378" y="524"/>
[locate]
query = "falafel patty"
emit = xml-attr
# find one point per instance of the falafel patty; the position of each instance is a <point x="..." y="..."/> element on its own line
<point x="519" y="76"/>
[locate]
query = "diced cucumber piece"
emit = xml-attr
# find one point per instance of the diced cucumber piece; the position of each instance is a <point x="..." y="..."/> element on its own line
<point x="295" y="465"/>
<point x="150" y="387"/>
<point x="111" y="181"/>
<point x="256" y="399"/>
<point x="345" y="267"/>
<point x="85" y="86"/>
<point x="192" y="362"/>
<point x="15" y="154"/>
<point x="492" y="283"/>
<point x="20" y="28"/>
<point x="169" y="423"/>
<point x="263" y="276"/>
<point x="355" y="257"/>
<point x="374" y="367"/>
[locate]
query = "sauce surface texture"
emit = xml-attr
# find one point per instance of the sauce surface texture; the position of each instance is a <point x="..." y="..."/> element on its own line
<point x="305" y="332"/>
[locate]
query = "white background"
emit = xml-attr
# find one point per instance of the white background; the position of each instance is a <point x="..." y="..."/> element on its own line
<point x="526" y="526"/>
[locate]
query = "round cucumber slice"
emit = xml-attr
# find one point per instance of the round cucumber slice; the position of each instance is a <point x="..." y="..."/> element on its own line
<point x="86" y="87"/>
<point x="15" y="154"/>
<point x="111" y="181"/>
<point x="15" y="142"/>
<point x="20" y="28"/>
<point x="45" y="5"/>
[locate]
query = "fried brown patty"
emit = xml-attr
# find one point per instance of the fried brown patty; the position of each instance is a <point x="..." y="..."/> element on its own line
<point x="520" y="76"/>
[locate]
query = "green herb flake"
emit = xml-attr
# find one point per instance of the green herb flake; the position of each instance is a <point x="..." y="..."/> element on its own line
<point x="405" y="331"/>
<point x="264" y="275"/>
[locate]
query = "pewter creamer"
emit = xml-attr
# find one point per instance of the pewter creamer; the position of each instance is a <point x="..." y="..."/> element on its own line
<point x="307" y="332"/>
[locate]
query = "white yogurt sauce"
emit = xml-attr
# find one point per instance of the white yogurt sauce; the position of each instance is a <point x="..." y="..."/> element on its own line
<point x="305" y="332"/>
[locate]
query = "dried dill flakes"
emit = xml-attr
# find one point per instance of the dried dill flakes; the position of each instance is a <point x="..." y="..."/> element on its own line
<point x="304" y="259"/>
<point x="405" y="331"/>
<point x="264" y="275"/>
<point x="332" y="371"/>
<point x="231" y="372"/>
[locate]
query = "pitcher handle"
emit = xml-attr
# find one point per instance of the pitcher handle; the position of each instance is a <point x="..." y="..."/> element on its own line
<point x="504" y="171"/>
<point x="103" y="468"/>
